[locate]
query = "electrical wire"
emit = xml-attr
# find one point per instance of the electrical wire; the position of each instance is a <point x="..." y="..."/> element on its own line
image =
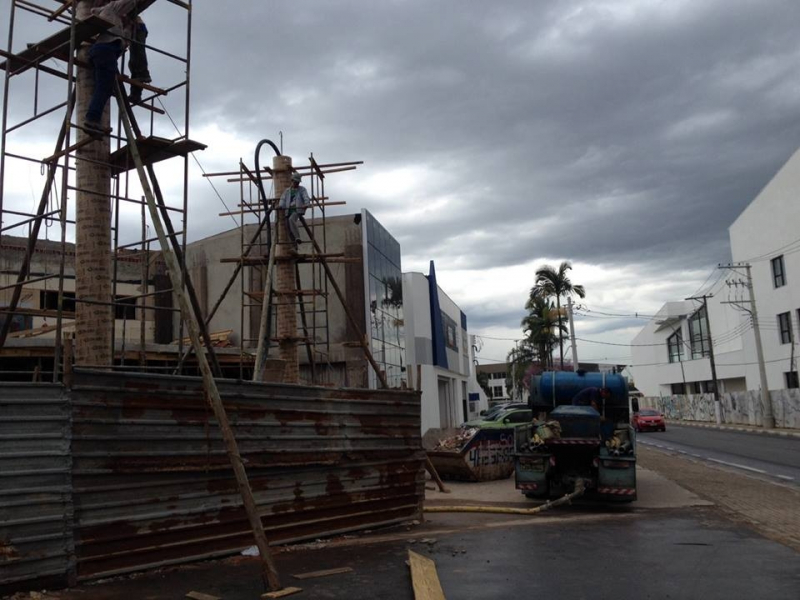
<point x="211" y="183"/>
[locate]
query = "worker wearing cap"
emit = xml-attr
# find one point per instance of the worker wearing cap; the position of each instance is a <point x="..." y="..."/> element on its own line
<point x="294" y="201"/>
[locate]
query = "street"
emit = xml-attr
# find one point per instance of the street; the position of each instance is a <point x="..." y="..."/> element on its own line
<point x="671" y="543"/>
<point x="770" y="457"/>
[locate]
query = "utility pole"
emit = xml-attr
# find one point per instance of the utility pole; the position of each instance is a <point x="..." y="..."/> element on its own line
<point x="572" y="334"/>
<point x="717" y="406"/>
<point x="768" y="420"/>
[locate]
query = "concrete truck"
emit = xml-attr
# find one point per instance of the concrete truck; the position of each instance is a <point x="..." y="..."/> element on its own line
<point x="580" y="437"/>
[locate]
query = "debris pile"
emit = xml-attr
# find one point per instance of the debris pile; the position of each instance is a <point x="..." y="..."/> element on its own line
<point x="546" y="431"/>
<point x="620" y="443"/>
<point x="455" y="442"/>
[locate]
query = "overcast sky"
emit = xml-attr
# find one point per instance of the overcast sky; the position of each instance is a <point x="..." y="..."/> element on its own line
<point x="622" y="135"/>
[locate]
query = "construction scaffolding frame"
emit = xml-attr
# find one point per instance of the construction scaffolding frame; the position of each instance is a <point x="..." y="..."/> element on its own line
<point x="31" y="105"/>
<point x="312" y="302"/>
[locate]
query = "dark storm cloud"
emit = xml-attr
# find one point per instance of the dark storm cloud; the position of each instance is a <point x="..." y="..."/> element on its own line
<point x="599" y="131"/>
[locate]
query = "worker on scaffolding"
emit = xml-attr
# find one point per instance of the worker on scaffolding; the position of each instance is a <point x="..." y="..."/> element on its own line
<point x="103" y="55"/>
<point x="137" y="60"/>
<point x="294" y="201"/>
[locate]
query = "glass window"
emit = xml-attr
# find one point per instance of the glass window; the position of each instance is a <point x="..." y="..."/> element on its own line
<point x="791" y="380"/>
<point x="785" y="328"/>
<point x="519" y="416"/>
<point x="675" y="346"/>
<point x="497" y="391"/>
<point x="778" y="271"/>
<point x="678" y="389"/>
<point x="698" y="334"/>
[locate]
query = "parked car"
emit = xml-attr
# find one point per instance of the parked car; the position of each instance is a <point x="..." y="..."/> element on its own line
<point x="491" y="413"/>
<point x="648" y="419"/>
<point x="505" y="418"/>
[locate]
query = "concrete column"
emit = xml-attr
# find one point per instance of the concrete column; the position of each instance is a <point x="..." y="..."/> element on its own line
<point x="93" y="267"/>
<point x="285" y="277"/>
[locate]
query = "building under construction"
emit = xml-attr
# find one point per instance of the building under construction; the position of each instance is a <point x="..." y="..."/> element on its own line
<point x="138" y="427"/>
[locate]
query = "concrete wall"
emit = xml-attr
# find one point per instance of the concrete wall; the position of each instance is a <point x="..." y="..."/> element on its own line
<point x="46" y="260"/>
<point x="742" y="408"/>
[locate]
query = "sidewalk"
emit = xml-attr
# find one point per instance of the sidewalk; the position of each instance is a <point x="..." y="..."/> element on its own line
<point x="742" y="428"/>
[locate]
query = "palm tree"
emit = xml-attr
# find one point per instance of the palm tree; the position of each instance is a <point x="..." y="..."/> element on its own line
<point x="555" y="283"/>
<point x="540" y="326"/>
<point x="519" y="358"/>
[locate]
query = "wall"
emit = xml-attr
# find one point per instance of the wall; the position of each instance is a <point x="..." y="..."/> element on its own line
<point x="742" y="408"/>
<point x="459" y="374"/>
<point x="767" y="228"/>
<point x="126" y="472"/>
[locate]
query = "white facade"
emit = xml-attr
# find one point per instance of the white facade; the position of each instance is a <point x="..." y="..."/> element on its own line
<point x="769" y="230"/>
<point x="450" y="392"/>
<point x="766" y="236"/>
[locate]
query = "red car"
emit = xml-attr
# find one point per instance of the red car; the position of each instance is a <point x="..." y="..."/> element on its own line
<point x="648" y="419"/>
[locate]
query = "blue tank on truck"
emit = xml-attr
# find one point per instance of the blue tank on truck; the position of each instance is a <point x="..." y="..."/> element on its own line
<point x="558" y="388"/>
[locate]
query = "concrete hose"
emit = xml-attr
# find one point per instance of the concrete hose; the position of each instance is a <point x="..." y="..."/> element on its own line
<point x="578" y="491"/>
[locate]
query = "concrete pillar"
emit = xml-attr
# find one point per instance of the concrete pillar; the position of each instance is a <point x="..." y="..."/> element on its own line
<point x="285" y="278"/>
<point x="93" y="267"/>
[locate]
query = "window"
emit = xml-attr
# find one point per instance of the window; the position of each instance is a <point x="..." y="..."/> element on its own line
<point x="791" y="380"/>
<point x="125" y="308"/>
<point x="678" y="389"/>
<point x="785" y="328"/>
<point x="48" y="300"/>
<point x="778" y="271"/>
<point x="499" y="375"/>
<point x="497" y="391"/>
<point x="698" y="334"/>
<point x="518" y="416"/>
<point x="675" y="347"/>
<point x="450" y="332"/>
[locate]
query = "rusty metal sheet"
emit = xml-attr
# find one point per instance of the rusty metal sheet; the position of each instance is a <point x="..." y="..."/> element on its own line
<point x="153" y="485"/>
<point x="35" y="489"/>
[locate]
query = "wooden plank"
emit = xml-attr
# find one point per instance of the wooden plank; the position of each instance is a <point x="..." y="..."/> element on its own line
<point x="35" y="53"/>
<point x="282" y="593"/>
<point x="202" y="596"/>
<point x="424" y="578"/>
<point x="152" y="150"/>
<point x="323" y="573"/>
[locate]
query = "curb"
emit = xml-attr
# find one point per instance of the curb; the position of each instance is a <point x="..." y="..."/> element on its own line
<point x="745" y="429"/>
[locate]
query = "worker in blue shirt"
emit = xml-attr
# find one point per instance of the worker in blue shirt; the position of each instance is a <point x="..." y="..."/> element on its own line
<point x="294" y="201"/>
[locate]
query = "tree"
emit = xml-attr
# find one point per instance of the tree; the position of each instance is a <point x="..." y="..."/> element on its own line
<point x="519" y="360"/>
<point x="552" y="283"/>
<point x="541" y="326"/>
<point x="483" y="381"/>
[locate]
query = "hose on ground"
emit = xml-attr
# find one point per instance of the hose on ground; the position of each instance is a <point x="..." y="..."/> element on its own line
<point x="578" y="491"/>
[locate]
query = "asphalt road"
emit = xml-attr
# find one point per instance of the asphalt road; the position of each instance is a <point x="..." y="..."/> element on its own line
<point x="769" y="457"/>
<point x="691" y="555"/>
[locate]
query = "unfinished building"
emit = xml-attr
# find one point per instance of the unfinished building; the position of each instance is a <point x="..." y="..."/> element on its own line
<point x="131" y="436"/>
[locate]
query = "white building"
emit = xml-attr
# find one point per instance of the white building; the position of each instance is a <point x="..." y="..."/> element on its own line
<point x="439" y="348"/>
<point x="670" y="354"/>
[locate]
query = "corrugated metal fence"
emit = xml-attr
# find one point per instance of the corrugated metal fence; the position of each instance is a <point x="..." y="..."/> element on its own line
<point x="151" y="484"/>
<point x="35" y="487"/>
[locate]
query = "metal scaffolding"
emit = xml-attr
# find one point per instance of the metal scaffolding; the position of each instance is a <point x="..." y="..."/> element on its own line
<point x="313" y="296"/>
<point x="39" y="97"/>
